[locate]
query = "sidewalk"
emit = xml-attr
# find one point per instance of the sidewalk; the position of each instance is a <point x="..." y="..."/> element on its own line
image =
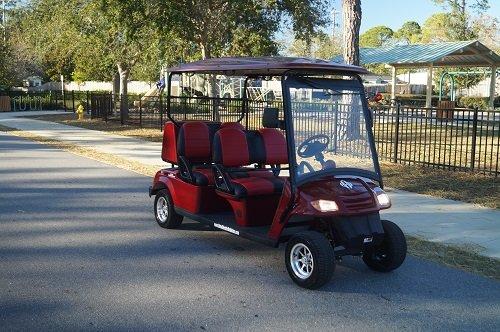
<point x="126" y="147"/>
<point x="434" y="219"/>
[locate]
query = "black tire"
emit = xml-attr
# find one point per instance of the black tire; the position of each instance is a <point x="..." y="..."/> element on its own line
<point x="171" y="219"/>
<point x="322" y="256"/>
<point x="391" y="253"/>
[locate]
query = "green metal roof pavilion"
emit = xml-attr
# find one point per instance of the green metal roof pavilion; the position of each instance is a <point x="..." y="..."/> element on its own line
<point x="470" y="53"/>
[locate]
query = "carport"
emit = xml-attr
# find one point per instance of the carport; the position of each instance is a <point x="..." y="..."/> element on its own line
<point x="444" y="54"/>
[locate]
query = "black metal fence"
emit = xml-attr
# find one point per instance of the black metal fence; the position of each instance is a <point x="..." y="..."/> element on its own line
<point x="50" y="100"/>
<point x="456" y="139"/>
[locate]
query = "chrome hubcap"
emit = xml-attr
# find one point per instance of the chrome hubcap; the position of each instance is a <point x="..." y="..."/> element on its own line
<point x="302" y="261"/>
<point x="162" y="209"/>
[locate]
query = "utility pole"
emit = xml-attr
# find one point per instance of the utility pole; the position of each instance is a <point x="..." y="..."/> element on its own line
<point x="335" y="24"/>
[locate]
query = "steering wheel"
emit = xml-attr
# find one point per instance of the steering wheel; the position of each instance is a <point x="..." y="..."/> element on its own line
<point x="313" y="145"/>
<point x="301" y="169"/>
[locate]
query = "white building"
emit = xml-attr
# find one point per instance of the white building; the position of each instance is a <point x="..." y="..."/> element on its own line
<point x="32" y="81"/>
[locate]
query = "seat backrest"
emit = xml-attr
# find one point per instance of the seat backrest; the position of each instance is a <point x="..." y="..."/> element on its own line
<point x="275" y="146"/>
<point x="235" y="125"/>
<point x="230" y="148"/>
<point x="194" y="142"/>
<point x="169" y="145"/>
<point x="234" y="147"/>
<point x="256" y="150"/>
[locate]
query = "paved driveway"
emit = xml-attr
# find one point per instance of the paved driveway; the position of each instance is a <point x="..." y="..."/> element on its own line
<point x="79" y="249"/>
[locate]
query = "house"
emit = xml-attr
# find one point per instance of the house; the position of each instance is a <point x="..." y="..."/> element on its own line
<point x="32" y="81"/>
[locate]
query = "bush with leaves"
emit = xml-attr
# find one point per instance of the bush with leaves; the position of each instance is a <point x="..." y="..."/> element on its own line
<point x="473" y="102"/>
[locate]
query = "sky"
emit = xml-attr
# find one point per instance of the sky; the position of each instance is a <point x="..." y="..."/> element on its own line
<point x="393" y="13"/>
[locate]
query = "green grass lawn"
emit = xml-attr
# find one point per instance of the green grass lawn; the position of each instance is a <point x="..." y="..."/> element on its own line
<point x="462" y="186"/>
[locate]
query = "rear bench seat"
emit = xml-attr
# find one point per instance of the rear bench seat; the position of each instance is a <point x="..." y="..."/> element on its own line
<point x="233" y="148"/>
<point x="191" y="147"/>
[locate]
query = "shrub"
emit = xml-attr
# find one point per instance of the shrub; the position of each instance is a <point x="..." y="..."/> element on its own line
<point x="473" y="102"/>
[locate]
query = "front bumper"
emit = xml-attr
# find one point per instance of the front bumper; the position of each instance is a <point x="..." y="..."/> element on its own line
<point x="356" y="233"/>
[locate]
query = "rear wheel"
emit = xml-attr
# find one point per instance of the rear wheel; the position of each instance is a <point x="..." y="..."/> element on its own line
<point x="165" y="214"/>
<point x="309" y="259"/>
<point x="390" y="253"/>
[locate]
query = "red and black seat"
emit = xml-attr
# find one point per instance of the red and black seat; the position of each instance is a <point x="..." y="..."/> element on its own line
<point x="234" y="148"/>
<point x="194" y="149"/>
<point x="236" y="125"/>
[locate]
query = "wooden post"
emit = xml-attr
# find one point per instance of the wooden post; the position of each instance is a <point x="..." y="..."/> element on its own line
<point x="428" y="95"/>
<point x="492" y="86"/>
<point x="393" y="86"/>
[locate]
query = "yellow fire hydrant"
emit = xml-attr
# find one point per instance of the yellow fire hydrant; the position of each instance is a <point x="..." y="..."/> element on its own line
<point x="80" y="111"/>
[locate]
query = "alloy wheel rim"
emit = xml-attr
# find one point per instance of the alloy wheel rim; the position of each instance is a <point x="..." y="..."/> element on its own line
<point x="162" y="209"/>
<point x="301" y="260"/>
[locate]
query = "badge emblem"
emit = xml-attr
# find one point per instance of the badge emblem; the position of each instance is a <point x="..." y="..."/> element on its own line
<point x="346" y="184"/>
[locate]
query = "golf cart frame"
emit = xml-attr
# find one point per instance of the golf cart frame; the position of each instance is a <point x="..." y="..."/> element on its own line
<point x="323" y="213"/>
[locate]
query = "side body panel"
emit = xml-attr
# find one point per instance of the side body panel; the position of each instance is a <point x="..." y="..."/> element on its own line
<point x="253" y="210"/>
<point x="194" y="199"/>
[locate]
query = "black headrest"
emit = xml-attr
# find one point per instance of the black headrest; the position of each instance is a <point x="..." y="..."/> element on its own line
<point x="270" y="118"/>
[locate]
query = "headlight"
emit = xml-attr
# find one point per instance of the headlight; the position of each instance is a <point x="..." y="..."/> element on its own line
<point x="382" y="198"/>
<point x="325" y="206"/>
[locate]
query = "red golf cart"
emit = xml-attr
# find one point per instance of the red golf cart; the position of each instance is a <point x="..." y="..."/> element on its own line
<point x="286" y="155"/>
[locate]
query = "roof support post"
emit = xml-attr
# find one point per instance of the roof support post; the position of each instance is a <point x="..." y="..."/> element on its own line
<point x="492" y="86"/>
<point x="428" y="95"/>
<point x="393" y="85"/>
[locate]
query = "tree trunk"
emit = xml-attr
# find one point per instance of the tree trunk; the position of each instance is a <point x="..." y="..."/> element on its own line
<point x="116" y="90"/>
<point x="124" y="73"/>
<point x="212" y="84"/>
<point x="205" y="54"/>
<point x="351" y="13"/>
<point x="349" y="115"/>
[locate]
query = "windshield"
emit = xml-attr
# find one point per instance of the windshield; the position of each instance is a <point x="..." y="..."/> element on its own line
<point x="329" y="127"/>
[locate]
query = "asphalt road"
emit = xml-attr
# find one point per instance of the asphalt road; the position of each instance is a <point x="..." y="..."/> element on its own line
<point x="80" y="250"/>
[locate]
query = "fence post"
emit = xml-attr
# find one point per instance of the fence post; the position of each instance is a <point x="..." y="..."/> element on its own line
<point x="73" y="99"/>
<point x="396" y="137"/>
<point x="91" y="106"/>
<point x="335" y="126"/>
<point x="64" y="100"/>
<point x="140" y="112"/>
<point x="87" y="105"/>
<point x="474" y="137"/>
<point x="161" y="113"/>
<point x="109" y="106"/>
<point x="121" y="109"/>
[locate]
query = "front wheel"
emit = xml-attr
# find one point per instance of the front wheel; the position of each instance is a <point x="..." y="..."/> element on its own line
<point x="390" y="253"/>
<point x="165" y="214"/>
<point x="309" y="259"/>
